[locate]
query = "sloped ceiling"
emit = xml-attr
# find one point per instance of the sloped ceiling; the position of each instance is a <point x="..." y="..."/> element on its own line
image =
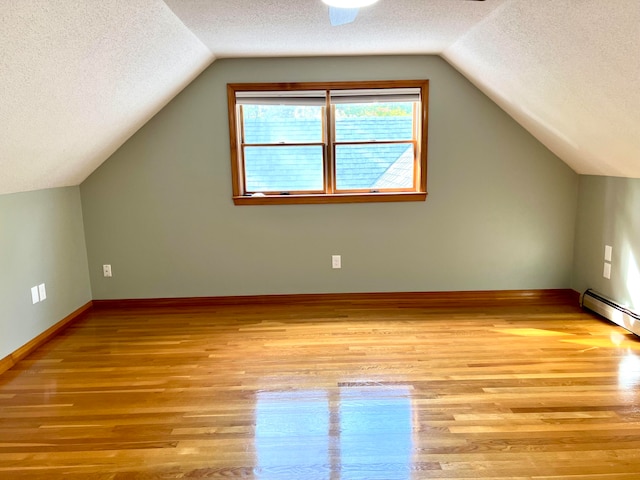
<point x="79" y="78"/>
<point x="569" y="72"/>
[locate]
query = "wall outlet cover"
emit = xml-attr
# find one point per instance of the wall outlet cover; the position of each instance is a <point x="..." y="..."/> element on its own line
<point x="606" y="273"/>
<point x="35" y="296"/>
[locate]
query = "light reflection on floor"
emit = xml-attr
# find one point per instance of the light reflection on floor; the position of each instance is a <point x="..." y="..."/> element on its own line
<point x="615" y="340"/>
<point x="344" y="433"/>
<point x="532" y="332"/>
<point x="292" y="433"/>
<point x="629" y="371"/>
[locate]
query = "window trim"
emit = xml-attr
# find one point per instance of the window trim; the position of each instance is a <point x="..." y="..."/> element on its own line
<point x="237" y="167"/>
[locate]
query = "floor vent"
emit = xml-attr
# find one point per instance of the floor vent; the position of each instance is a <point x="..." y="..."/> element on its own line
<point x="611" y="311"/>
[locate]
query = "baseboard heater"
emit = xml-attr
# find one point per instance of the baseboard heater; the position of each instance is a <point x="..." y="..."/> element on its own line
<point x="611" y="311"/>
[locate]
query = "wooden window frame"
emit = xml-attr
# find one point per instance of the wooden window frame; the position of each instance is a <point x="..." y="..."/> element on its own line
<point x="330" y="193"/>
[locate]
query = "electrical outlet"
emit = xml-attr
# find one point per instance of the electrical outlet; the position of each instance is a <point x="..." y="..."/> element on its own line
<point x="35" y="296"/>
<point x="606" y="273"/>
<point x="106" y="270"/>
<point x="336" y="261"/>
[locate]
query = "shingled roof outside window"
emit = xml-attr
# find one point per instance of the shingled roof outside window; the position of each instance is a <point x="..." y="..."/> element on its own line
<point x="300" y="167"/>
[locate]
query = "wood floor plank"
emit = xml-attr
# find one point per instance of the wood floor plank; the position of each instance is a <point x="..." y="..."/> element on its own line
<point x="331" y="390"/>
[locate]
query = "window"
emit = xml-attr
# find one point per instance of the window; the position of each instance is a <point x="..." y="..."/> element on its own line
<point x="328" y="142"/>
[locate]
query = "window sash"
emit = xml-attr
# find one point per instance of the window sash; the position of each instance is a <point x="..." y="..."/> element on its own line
<point x="285" y="189"/>
<point x="376" y="188"/>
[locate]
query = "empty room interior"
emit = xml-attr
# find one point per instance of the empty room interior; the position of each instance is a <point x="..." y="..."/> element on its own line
<point x="212" y="266"/>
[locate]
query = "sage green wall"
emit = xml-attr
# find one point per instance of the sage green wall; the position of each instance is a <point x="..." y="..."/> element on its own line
<point x="41" y="241"/>
<point x="609" y="214"/>
<point x="500" y="212"/>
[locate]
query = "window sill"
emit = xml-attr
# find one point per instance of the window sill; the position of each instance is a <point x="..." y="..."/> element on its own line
<point x="332" y="198"/>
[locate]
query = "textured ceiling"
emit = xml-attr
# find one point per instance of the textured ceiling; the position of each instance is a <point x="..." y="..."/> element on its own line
<point x="79" y="78"/>
<point x="569" y="72"/>
<point x="232" y="28"/>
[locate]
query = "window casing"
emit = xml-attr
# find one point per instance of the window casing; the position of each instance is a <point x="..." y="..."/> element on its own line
<point x="335" y="142"/>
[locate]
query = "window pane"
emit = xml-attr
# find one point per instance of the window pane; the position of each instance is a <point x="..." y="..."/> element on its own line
<point x="283" y="169"/>
<point x="374" y="167"/>
<point x="282" y="123"/>
<point x="374" y="121"/>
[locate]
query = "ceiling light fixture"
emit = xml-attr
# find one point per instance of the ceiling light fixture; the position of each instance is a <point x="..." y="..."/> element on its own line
<point x="349" y="3"/>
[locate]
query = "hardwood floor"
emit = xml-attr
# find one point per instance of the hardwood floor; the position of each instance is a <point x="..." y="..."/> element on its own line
<point x="337" y="390"/>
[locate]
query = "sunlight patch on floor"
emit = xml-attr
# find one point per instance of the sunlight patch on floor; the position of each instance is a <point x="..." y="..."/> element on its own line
<point x="532" y="332"/>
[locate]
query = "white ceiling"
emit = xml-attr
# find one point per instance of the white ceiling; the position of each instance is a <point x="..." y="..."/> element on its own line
<point x="79" y="78"/>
